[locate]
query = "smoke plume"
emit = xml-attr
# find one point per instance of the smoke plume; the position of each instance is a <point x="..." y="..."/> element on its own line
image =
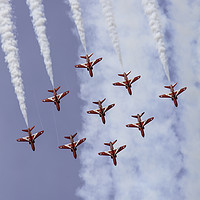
<point x="151" y="10"/>
<point x="38" y="20"/>
<point x="76" y="10"/>
<point x="112" y="28"/>
<point x="9" y="46"/>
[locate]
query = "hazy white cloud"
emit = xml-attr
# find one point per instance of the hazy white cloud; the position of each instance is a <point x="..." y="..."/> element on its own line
<point x="149" y="168"/>
<point x="185" y="20"/>
<point x="9" y="46"/>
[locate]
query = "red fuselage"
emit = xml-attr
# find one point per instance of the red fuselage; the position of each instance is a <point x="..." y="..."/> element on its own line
<point x="174" y="97"/>
<point x="128" y="85"/>
<point x="113" y="155"/>
<point x="141" y="127"/>
<point x="102" y="113"/>
<point x="73" y="149"/>
<point x="56" y="101"/>
<point x="31" y="140"/>
<point x="89" y="67"/>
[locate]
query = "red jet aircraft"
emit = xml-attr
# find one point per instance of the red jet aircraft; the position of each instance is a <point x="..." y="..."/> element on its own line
<point x="30" y="138"/>
<point x="56" y="98"/>
<point x="72" y="145"/>
<point x="127" y="83"/>
<point x="113" y="152"/>
<point x="101" y="111"/>
<point x="140" y="125"/>
<point x="89" y="64"/>
<point x="173" y="95"/>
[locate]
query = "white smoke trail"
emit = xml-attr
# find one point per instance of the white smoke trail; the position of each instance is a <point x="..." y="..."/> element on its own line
<point x="9" y="46"/>
<point x="151" y="10"/>
<point x="76" y="10"/>
<point x="149" y="167"/>
<point x="38" y="20"/>
<point x="185" y="24"/>
<point x="112" y="28"/>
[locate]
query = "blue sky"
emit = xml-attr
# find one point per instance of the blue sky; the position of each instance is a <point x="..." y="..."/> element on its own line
<point x="163" y="165"/>
<point x="48" y="172"/>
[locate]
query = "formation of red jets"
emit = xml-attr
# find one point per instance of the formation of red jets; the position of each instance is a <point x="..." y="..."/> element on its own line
<point x="100" y="111"/>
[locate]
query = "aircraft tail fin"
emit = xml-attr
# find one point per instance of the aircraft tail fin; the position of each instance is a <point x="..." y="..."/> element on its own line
<point x="128" y="73"/>
<point x="121" y="75"/>
<point x="26" y="130"/>
<point x="124" y="73"/>
<point x="135" y="116"/>
<point x="174" y="85"/>
<point x="56" y="89"/>
<point x="85" y="57"/>
<point x="68" y="137"/>
<point x="142" y="114"/>
<point x="103" y="100"/>
<point x="108" y="144"/>
<point x="96" y="102"/>
<point x="90" y="55"/>
<point x="74" y="135"/>
<point x="171" y="85"/>
<point x="114" y="142"/>
<point x="32" y="128"/>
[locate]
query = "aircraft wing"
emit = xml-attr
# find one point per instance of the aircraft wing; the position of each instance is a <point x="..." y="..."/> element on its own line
<point x="109" y="107"/>
<point x="79" y="142"/>
<point x="147" y="121"/>
<point x="60" y="96"/>
<point x="132" y="125"/>
<point x="65" y="146"/>
<point x="120" y="84"/>
<point x="24" y="139"/>
<point x="134" y="79"/>
<point x="180" y="91"/>
<point x="37" y="134"/>
<point x="119" y="149"/>
<point x="165" y="96"/>
<point x="93" y="112"/>
<point x="96" y="61"/>
<point x="50" y="99"/>
<point x="105" y="153"/>
<point x="81" y="66"/>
